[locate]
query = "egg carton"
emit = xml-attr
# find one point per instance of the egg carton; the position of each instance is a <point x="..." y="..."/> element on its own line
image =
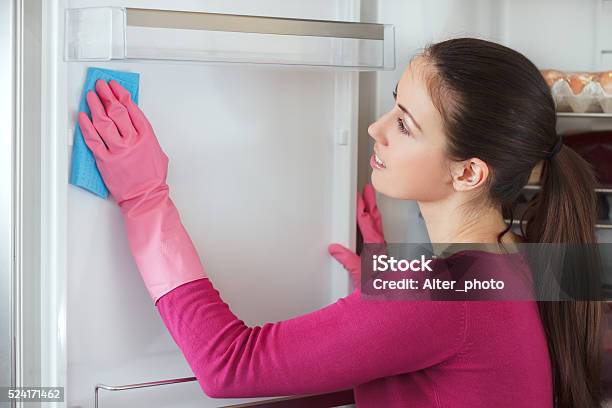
<point x="592" y="99"/>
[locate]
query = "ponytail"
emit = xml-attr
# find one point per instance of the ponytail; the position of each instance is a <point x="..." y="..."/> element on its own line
<point x="565" y="212"/>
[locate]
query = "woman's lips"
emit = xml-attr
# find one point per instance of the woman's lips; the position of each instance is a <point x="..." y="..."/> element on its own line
<point x="377" y="163"/>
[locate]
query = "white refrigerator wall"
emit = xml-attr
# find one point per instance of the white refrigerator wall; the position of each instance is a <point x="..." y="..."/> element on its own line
<point x="263" y="172"/>
<point x="561" y="34"/>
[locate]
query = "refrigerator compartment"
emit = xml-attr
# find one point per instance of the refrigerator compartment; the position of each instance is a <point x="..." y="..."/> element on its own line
<point x="263" y="169"/>
<point x="596" y="148"/>
<point x="117" y="33"/>
<point x="274" y="151"/>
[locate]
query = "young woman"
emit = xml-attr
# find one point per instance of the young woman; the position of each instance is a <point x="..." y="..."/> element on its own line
<point x="471" y="120"/>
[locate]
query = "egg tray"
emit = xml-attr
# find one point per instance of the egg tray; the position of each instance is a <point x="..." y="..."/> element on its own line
<point x="592" y="99"/>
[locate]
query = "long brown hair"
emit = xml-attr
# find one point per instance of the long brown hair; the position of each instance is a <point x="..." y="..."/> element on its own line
<point x="496" y="106"/>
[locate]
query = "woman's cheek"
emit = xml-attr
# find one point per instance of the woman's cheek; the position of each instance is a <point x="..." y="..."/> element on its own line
<point x="413" y="176"/>
<point x="421" y="178"/>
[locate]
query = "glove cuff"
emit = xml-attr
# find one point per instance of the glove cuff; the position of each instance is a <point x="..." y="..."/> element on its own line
<point x="163" y="251"/>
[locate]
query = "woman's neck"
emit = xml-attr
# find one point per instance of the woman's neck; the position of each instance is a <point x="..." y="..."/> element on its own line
<point x="447" y="223"/>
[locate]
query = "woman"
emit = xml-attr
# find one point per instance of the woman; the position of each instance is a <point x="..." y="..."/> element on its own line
<point x="471" y="120"/>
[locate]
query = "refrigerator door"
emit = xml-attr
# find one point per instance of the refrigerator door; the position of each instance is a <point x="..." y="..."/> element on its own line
<point x="263" y="172"/>
<point x="7" y="111"/>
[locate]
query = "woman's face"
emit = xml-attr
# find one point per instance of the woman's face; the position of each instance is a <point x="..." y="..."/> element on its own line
<point x="410" y="143"/>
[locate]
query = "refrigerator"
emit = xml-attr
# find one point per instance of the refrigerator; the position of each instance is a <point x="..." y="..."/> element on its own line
<point x="264" y="120"/>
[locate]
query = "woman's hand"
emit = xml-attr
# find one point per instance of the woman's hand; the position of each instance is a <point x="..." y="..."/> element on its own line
<point x="368" y="217"/>
<point x="123" y="143"/>
<point x="370" y="225"/>
<point x="134" y="169"/>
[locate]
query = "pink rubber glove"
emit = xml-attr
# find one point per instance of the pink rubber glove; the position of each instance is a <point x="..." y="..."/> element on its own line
<point x="368" y="217"/>
<point x="134" y="169"/>
<point x="370" y="225"/>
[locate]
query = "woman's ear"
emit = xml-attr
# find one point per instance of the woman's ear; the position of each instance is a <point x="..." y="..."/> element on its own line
<point x="468" y="174"/>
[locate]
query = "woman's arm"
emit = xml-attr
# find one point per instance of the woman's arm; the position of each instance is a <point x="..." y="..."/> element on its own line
<point x="349" y="342"/>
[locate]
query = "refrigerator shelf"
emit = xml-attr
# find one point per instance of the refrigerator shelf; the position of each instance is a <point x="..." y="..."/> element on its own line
<point x="123" y="33"/>
<point x="537" y="187"/>
<point x="599" y="225"/>
<point x="99" y="386"/>
<point x="584" y="115"/>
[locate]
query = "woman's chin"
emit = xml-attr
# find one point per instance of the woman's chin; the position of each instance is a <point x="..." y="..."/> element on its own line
<point x="375" y="181"/>
<point x="381" y="185"/>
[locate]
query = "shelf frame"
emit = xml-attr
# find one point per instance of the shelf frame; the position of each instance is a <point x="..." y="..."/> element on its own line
<point x="592" y="115"/>
<point x="537" y="187"/>
<point x="195" y="20"/>
<point x="597" y="226"/>
<point x="126" y="33"/>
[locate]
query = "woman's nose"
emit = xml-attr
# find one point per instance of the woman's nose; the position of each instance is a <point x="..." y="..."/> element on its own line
<point x="377" y="131"/>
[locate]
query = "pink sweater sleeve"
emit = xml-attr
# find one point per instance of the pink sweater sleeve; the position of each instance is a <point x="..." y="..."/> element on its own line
<point x="349" y="342"/>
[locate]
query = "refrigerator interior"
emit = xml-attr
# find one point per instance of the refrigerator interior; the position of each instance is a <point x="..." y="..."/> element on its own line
<point x="568" y="35"/>
<point x="263" y="172"/>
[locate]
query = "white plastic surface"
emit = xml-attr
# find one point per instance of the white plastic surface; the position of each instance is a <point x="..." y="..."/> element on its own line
<point x="253" y="183"/>
<point x="262" y="186"/>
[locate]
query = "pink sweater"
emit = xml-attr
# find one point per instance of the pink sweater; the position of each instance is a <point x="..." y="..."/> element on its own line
<point x="392" y="353"/>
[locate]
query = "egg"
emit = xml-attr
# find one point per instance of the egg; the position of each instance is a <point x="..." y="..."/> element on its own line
<point x="578" y="82"/>
<point x="551" y="76"/>
<point x="605" y="80"/>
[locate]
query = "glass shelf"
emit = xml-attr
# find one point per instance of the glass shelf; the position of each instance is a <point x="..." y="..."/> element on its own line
<point x="599" y="225"/>
<point x="537" y="187"/>
<point x="595" y="115"/>
<point x="118" y="33"/>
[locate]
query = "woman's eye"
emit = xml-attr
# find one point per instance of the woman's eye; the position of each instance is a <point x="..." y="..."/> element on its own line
<point x="403" y="128"/>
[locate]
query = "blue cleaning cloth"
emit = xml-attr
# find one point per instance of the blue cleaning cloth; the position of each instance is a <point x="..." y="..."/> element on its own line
<point x="84" y="172"/>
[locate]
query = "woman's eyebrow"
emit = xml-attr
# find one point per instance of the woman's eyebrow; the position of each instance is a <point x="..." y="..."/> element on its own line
<point x="406" y="110"/>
